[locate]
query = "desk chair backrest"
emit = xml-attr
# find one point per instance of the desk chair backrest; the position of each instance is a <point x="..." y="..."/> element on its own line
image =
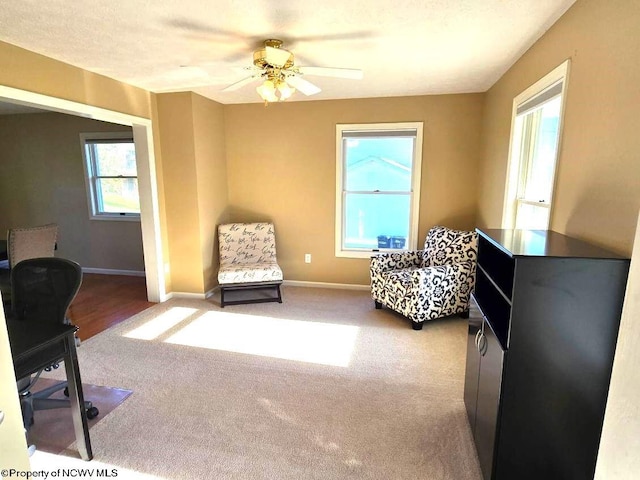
<point x="43" y="288"/>
<point x="32" y="242"/>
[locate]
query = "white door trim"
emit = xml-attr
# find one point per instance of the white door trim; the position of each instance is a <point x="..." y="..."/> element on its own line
<point x="147" y="180"/>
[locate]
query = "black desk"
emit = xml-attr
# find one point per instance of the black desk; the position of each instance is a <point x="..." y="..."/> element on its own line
<point x="35" y="346"/>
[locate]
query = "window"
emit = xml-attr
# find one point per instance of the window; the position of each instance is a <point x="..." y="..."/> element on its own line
<point x="535" y="138"/>
<point x="378" y="187"/>
<point x="111" y="175"/>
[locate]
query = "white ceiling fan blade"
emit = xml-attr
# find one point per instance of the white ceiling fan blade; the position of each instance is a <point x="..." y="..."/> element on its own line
<point x="352" y="73"/>
<point x="276" y="56"/>
<point x="240" y="84"/>
<point x="303" y="85"/>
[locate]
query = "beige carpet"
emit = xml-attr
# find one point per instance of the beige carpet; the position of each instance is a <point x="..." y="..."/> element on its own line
<point x="322" y="386"/>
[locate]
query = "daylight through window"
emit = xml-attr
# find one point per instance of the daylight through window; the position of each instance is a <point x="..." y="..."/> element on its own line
<point x="378" y="178"/>
<point x="111" y="176"/>
<point x="534" y="151"/>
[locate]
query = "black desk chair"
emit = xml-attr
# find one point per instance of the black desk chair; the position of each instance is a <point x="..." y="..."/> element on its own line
<point x="41" y="291"/>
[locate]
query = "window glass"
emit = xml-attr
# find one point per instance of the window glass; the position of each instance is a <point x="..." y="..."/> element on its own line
<point x="378" y="187"/>
<point x="372" y="220"/>
<point x="533" y="157"/>
<point x="111" y="176"/>
<point x="119" y="195"/>
<point x="541" y="167"/>
<point x="113" y="159"/>
<point x="535" y="217"/>
<point x="378" y="164"/>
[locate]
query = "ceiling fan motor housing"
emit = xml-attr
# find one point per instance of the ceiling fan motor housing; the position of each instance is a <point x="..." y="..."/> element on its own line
<point x="260" y="55"/>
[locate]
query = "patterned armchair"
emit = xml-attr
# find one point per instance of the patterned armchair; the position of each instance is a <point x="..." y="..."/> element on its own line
<point x="248" y="261"/>
<point x="431" y="283"/>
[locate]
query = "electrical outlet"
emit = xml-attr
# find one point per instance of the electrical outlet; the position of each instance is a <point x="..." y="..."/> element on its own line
<point x="307" y="258"/>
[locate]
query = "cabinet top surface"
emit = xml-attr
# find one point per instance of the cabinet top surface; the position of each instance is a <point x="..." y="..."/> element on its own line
<point x="543" y="243"/>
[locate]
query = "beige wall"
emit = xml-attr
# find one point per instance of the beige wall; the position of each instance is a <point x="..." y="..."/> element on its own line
<point x="26" y="70"/>
<point x="13" y="443"/>
<point x="42" y="181"/>
<point x="281" y="164"/>
<point x="211" y="173"/>
<point x="175" y="123"/>
<point x="194" y="164"/>
<point x="597" y="194"/>
<point x="618" y="458"/>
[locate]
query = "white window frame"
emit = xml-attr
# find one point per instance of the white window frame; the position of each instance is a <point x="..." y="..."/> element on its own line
<point x="90" y="177"/>
<point x="412" y="241"/>
<point x="516" y="175"/>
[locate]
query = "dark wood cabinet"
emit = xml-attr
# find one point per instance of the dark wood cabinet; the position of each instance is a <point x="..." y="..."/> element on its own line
<point x="542" y="334"/>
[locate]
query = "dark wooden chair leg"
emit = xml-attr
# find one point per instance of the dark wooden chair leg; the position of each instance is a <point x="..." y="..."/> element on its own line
<point x="464" y="314"/>
<point x="222" y="297"/>
<point x="416" y="325"/>
<point x="377" y="304"/>
<point x="279" y="294"/>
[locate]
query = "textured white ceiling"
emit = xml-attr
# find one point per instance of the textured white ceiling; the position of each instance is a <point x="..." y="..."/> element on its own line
<point x="404" y="47"/>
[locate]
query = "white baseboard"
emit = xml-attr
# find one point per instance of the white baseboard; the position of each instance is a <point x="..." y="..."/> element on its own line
<point x="210" y="293"/>
<point x="343" y="286"/>
<point x="290" y="283"/>
<point x="109" y="271"/>
<point x="193" y="296"/>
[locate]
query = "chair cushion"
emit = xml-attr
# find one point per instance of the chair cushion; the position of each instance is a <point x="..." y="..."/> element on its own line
<point x="444" y="246"/>
<point x="398" y="282"/>
<point x="246" y="273"/>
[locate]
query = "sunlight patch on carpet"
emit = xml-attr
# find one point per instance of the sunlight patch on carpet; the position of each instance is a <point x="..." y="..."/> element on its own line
<point x="160" y="324"/>
<point x="312" y="342"/>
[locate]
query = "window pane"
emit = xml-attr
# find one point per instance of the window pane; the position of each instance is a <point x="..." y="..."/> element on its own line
<point x="378" y="164"/>
<point x="118" y="195"/>
<point x="115" y="159"/>
<point x="532" y="217"/>
<point x="541" y="167"/>
<point x="376" y="221"/>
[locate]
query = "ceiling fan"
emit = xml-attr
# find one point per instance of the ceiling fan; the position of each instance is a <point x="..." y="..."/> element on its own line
<point x="280" y="77"/>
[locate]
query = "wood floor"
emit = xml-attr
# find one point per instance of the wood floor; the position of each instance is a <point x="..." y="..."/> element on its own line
<point x="105" y="300"/>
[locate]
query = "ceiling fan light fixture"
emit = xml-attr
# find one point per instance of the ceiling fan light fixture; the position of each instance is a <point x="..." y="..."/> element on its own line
<point x="275" y="90"/>
<point x="267" y="91"/>
<point x="285" y="90"/>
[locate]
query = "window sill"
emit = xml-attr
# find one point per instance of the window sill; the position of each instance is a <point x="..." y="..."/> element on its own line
<point x="367" y="253"/>
<point x="116" y="218"/>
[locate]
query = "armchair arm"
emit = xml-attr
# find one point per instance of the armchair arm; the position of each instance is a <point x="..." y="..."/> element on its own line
<point x="384" y="262"/>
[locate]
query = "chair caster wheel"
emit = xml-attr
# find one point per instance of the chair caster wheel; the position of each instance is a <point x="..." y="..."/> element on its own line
<point x="66" y="391"/>
<point x="92" y="412"/>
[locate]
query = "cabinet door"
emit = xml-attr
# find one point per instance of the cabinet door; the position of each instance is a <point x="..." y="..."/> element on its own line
<point x="473" y="364"/>
<point x="489" y="383"/>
